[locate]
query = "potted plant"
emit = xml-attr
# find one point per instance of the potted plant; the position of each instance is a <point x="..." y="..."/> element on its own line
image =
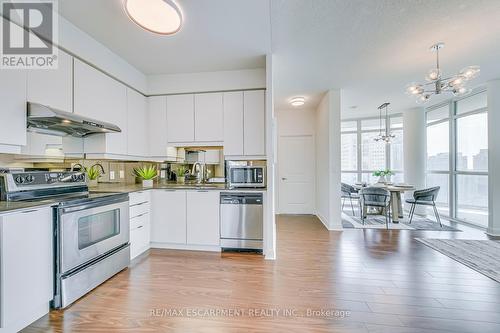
<point x="181" y="173"/>
<point x="93" y="174"/>
<point x="384" y="176"/>
<point x="147" y="174"/>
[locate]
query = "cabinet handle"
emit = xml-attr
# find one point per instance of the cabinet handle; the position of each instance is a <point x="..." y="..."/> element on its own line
<point x="202" y="191"/>
<point x="141" y="203"/>
<point x="134" y="217"/>
<point x="139" y="227"/>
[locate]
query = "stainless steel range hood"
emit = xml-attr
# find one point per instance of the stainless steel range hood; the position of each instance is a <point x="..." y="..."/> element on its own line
<point x="44" y="119"/>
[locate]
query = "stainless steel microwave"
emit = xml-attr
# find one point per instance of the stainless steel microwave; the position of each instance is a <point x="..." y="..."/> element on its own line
<point x="245" y="174"/>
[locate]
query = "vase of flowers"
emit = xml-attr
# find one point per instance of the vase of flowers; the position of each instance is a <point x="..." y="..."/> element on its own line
<point x="384" y="176"/>
<point x="147" y="174"/>
<point x="181" y="174"/>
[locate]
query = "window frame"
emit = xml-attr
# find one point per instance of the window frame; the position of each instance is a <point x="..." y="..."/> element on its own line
<point x="452" y="171"/>
<point x="359" y="131"/>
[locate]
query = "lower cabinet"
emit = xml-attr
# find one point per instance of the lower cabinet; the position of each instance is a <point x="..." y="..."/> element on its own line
<point x="189" y="219"/>
<point x="26" y="267"/>
<point x="203" y="217"/>
<point x="168" y="216"/>
<point x="139" y="213"/>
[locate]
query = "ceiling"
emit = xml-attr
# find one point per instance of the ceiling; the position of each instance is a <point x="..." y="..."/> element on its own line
<point x="372" y="49"/>
<point x="216" y="35"/>
<point x="368" y="48"/>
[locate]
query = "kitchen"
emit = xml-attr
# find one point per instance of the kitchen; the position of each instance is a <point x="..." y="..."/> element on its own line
<point x="95" y="112"/>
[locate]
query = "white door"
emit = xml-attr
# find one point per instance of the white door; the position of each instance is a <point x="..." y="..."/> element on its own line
<point x="296" y="174"/>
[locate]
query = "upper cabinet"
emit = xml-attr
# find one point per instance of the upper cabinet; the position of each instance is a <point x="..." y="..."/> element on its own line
<point x="209" y="117"/>
<point x="137" y="131"/>
<point x="180" y="118"/>
<point x="254" y="124"/>
<point x="53" y="87"/>
<point x="98" y="96"/>
<point x="233" y="123"/>
<point x="157" y="125"/>
<point x="13" y="108"/>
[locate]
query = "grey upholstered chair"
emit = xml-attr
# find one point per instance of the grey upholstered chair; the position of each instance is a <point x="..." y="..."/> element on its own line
<point x="426" y="197"/>
<point x="375" y="197"/>
<point x="348" y="192"/>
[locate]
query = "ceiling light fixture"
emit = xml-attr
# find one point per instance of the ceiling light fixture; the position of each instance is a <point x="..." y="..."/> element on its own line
<point x="454" y="84"/>
<point x="297" y="101"/>
<point x="387" y="136"/>
<point x="159" y="16"/>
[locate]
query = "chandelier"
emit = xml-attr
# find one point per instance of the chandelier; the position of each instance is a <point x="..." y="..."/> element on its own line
<point x="387" y="136"/>
<point x="436" y="84"/>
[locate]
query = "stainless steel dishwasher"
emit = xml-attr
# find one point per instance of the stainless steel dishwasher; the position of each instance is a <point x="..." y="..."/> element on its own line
<point x="241" y="221"/>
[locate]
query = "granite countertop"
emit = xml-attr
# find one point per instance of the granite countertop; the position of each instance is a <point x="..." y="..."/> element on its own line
<point x="103" y="188"/>
<point x="127" y="188"/>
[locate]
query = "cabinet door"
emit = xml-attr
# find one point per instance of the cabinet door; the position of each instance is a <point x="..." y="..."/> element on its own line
<point x="180" y="118"/>
<point x="27" y="265"/>
<point x="137" y="121"/>
<point x="203" y="218"/>
<point x="53" y="87"/>
<point x="254" y="133"/>
<point x="168" y="216"/>
<point x="158" y="140"/>
<point x="13" y="107"/>
<point x="98" y="96"/>
<point x="233" y="123"/>
<point x="209" y="117"/>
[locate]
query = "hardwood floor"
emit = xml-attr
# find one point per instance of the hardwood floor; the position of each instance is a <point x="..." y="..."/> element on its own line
<point x="371" y="280"/>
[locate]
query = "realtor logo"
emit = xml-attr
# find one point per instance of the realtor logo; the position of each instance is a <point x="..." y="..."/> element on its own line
<point x="29" y="32"/>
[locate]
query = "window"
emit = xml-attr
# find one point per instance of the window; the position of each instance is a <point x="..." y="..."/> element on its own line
<point x="464" y="179"/>
<point x="361" y="155"/>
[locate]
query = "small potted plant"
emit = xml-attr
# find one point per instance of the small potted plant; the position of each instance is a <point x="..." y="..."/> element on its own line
<point x="147" y="174"/>
<point x="93" y="175"/>
<point x="384" y="176"/>
<point x="180" y="174"/>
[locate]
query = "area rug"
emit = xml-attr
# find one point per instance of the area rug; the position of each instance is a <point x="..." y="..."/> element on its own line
<point x="482" y="256"/>
<point x="378" y="222"/>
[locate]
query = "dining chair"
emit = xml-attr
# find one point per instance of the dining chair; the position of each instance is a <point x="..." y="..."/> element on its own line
<point x="375" y="197"/>
<point x="348" y="192"/>
<point x="426" y="197"/>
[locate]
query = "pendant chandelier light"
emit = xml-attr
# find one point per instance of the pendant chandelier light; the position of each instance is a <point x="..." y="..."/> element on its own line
<point x="437" y="84"/>
<point x="387" y="136"/>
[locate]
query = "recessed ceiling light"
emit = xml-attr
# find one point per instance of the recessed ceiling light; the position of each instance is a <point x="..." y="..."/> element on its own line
<point x="159" y="16"/>
<point x="297" y="101"/>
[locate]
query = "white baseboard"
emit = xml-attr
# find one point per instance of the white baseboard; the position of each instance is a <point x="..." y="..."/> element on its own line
<point x="173" y="246"/>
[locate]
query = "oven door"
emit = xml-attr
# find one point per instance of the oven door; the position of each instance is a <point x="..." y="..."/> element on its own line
<point x="247" y="176"/>
<point x="90" y="230"/>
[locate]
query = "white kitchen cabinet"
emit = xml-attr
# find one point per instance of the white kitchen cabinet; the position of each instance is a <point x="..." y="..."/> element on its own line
<point x="209" y="117"/>
<point x="157" y="122"/>
<point x="180" y="118"/>
<point x="43" y="145"/>
<point x="13" y="107"/>
<point x="203" y="218"/>
<point x="137" y="131"/>
<point x="26" y="270"/>
<point x="254" y="131"/>
<point x="98" y="96"/>
<point x="168" y="216"/>
<point x="233" y="123"/>
<point x="53" y="87"/>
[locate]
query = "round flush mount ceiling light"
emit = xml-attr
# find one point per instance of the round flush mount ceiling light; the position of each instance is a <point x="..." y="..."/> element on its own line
<point x="159" y="16"/>
<point x="297" y="101"/>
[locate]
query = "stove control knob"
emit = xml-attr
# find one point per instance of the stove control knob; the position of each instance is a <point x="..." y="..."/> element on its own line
<point x="19" y="180"/>
<point x="29" y="179"/>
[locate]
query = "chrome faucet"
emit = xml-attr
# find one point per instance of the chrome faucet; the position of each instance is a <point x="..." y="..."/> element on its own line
<point x="100" y="166"/>
<point x="200" y="173"/>
<point x="80" y="167"/>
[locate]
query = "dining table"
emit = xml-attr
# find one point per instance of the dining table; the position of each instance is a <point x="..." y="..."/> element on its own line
<point x="396" y="192"/>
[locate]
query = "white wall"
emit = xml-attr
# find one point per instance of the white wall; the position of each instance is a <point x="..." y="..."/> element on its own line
<point x="207" y="81"/>
<point x="328" y="161"/>
<point x="493" y="158"/>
